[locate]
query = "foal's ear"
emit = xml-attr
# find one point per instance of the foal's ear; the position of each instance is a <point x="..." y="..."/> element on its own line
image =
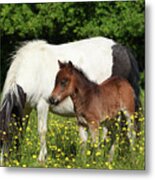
<point x="61" y="65"/>
<point x="70" y="64"/>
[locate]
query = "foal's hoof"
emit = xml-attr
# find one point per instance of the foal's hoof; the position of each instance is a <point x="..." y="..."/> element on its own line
<point x="42" y="159"/>
<point x="41" y="162"/>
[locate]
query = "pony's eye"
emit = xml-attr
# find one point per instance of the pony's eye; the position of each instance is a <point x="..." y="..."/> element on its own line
<point x="64" y="82"/>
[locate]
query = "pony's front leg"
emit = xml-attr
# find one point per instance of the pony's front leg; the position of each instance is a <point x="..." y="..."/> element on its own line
<point x="42" y="109"/>
<point x="4" y="149"/>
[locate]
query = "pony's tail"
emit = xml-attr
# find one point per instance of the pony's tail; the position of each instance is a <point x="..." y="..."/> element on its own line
<point x="134" y="79"/>
<point x="127" y="67"/>
<point x="11" y="115"/>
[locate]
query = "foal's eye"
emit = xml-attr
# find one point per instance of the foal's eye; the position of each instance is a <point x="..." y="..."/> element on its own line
<point x="64" y="82"/>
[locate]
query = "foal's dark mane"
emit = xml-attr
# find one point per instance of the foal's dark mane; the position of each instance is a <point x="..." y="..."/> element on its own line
<point x="90" y="85"/>
<point x="80" y="72"/>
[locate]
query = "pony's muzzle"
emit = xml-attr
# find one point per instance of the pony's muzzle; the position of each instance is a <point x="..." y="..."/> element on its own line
<point x="53" y="101"/>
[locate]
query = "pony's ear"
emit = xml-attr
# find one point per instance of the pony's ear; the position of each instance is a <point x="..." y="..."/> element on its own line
<point x="61" y="65"/>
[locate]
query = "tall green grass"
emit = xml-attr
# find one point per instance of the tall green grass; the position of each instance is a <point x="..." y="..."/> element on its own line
<point x="64" y="146"/>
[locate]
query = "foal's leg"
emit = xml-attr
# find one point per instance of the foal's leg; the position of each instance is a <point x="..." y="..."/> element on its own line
<point x="112" y="148"/>
<point x="130" y="133"/>
<point x="94" y="131"/>
<point x="112" y="145"/>
<point x="105" y="133"/>
<point x="82" y="132"/>
<point x="83" y="136"/>
<point x="42" y="109"/>
<point x="111" y="152"/>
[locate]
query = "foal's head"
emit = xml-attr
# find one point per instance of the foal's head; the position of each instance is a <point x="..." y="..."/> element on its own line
<point x="64" y="83"/>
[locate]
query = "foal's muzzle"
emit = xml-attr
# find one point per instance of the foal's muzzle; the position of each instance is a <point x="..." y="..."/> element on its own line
<point x="53" y="101"/>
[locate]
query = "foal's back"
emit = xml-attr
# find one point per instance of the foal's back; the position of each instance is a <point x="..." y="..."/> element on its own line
<point x="117" y="95"/>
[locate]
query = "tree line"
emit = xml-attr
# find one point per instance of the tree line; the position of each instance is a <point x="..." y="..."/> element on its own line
<point x="69" y="21"/>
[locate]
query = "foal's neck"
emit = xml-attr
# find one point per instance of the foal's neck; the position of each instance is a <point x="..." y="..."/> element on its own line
<point x="83" y="90"/>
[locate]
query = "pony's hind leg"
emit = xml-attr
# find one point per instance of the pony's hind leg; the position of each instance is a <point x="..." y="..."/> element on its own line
<point x="42" y="109"/>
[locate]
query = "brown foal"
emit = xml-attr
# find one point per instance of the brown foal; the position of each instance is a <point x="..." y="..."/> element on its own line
<point x="93" y="102"/>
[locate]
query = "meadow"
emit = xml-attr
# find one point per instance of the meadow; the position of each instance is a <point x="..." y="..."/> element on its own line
<point x="64" y="146"/>
<point x="65" y="22"/>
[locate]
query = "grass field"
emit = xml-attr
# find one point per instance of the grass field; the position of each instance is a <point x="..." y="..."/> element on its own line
<point x="64" y="147"/>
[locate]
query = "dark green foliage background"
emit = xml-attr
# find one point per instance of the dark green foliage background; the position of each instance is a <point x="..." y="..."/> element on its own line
<point x="63" y="22"/>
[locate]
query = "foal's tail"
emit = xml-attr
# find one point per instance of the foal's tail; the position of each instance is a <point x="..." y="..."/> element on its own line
<point x="11" y="113"/>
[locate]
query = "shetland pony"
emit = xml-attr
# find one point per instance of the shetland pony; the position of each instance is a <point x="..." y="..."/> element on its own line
<point x="93" y="102"/>
<point x="31" y="76"/>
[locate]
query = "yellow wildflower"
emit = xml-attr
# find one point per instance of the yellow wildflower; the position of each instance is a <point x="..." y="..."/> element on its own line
<point x="88" y="153"/>
<point x="68" y="166"/>
<point x="87" y="165"/>
<point x="24" y="166"/>
<point x="4" y="133"/>
<point x="66" y="159"/>
<point x="34" y="156"/>
<point x="98" y="153"/>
